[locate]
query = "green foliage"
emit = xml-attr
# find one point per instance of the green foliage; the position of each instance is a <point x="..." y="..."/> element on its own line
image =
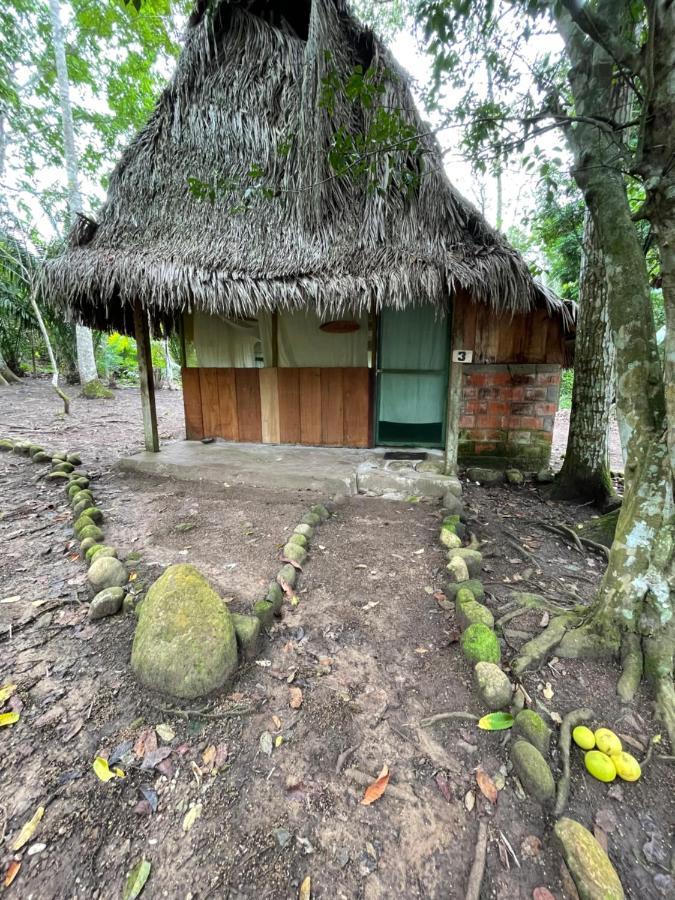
<point x="116" y="357"/>
<point x="566" y="385"/>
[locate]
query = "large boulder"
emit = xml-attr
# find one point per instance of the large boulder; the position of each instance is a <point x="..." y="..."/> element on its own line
<point x="480" y="644"/>
<point x="594" y="875"/>
<point x="185" y="643"/>
<point x="484" y="476"/>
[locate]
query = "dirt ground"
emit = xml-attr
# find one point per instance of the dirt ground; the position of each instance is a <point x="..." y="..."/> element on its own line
<point x="369" y="646"/>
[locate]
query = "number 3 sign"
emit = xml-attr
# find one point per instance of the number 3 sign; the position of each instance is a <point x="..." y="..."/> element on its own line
<point x="462" y="356"/>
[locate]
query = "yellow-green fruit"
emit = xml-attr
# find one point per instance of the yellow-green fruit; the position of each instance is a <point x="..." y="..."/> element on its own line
<point x="600" y="765"/>
<point x="627" y="767"/>
<point x="583" y="737"/>
<point x="607" y="742"/>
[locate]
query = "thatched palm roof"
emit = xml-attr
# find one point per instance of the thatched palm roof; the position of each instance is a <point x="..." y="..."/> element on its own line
<point x="247" y="92"/>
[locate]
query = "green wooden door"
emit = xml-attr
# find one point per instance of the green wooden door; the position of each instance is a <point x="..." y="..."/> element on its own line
<point x="412" y="377"/>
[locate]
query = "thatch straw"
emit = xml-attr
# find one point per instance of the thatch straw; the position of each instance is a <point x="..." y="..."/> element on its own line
<point x="243" y="89"/>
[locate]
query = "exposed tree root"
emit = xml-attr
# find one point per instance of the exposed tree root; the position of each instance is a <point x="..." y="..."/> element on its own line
<point x="600" y="530"/>
<point x="571" y="720"/>
<point x="589" y="642"/>
<point x="632" y="665"/>
<point x="64" y="397"/>
<point x="534" y="652"/>
<point x="441" y="717"/>
<point x="478" y="867"/>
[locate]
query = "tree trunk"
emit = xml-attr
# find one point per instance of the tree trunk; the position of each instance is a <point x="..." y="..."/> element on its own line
<point x="585" y="470"/>
<point x="634" y="605"/>
<point x="6" y="373"/>
<point x="86" y="362"/>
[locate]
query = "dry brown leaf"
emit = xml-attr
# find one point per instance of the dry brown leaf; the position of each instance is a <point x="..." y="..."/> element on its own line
<point x="292" y="562"/>
<point x="503" y="856"/>
<point x="486" y="785"/>
<point x="276" y="721"/>
<point x="209" y="756"/>
<point x="286" y="588"/>
<point x="375" y="790"/>
<point x="12" y="872"/>
<point x="444" y="787"/>
<point x="146" y="742"/>
<point x="469" y="800"/>
<point x="294" y="698"/>
<point x="305" y="889"/>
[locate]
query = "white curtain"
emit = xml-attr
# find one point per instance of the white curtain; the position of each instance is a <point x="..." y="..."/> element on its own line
<point x="221" y="343"/>
<point x="301" y="342"/>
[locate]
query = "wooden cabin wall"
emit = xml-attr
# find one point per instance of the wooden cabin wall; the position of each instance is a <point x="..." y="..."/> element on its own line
<point x="316" y="406"/>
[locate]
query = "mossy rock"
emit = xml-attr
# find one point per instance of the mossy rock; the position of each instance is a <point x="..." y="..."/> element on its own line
<point x="529" y="725"/>
<point x="472" y="558"/>
<point x="264" y="610"/>
<point x="289" y="574"/>
<point x="79" y="480"/>
<point x="35" y="448"/>
<point x="450" y="539"/>
<point x="103" y="550"/>
<point x="479" y="644"/>
<point x="294" y="552"/>
<point x="74" y="459"/>
<point x="298" y="539"/>
<point x="59" y="455"/>
<point x="533" y="772"/>
<point x="79" y="494"/>
<point x="594" y="875"/>
<point x="247" y="630"/>
<point x="94" y="390"/>
<point x="91" y="549"/>
<point x="106" y="571"/>
<point x="472" y="613"/>
<point x="79" y="473"/>
<point x="86" y="545"/>
<point x="56" y="476"/>
<point x="62" y="467"/>
<point x="83" y="521"/>
<point x="320" y="510"/>
<point x="514" y="476"/>
<point x="311" y="519"/>
<point x="493" y="686"/>
<point x="41" y="457"/>
<point x="185" y="643"/>
<point x="72" y="490"/>
<point x="21" y="448"/>
<point x="107" y="602"/>
<point x="275" y="596"/>
<point x="92" y="531"/>
<point x="457" y="570"/>
<point x="473" y="585"/>
<point x="95" y="514"/>
<point x="305" y="530"/>
<point x="6" y="445"/>
<point x="82" y="506"/>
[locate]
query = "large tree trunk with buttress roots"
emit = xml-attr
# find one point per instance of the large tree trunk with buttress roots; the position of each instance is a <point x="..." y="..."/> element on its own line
<point x="632" y="613"/>
<point x="585" y="471"/>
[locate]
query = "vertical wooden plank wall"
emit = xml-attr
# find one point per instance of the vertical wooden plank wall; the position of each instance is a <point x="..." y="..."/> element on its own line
<point x="313" y="406"/>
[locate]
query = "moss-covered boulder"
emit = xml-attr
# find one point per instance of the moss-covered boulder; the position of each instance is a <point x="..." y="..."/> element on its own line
<point x="103" y="550"/>
<point x="94" y="390"/>
<point x="275" y="596"/>
<point x="470" y="612"/>
<point x="56" y="476"/>
<point x="305" y="530"/>
<point x="79" y="495"/>
<point x="107" y="602"/>
<point x="289" y="574"/>
<point x="450" y="539"/>
<point x="530" y="726"/>
<point x="472" y="558"/>
<point x="95" y="514"/>
<point x="79" y="480"/>
<point x="91" y="548"/>
<point x="294" y="552"/>
<point x="82" y="506"/>
<point x="247" y="630"/>
<point x="533" y="771"/>
<point x="83" y="521"/>
<point x="105" y="572"/>
<point x="594" y="875"/>
<point x="479" y="644"/>
<point x="311" y="519"/>
<point x="457" y="570"/>
<point x="185" y="643"/>
<point x="59" y="455"/>
<point x="473" y="585"/>
<point x="21" y="448"/>
<point x="86" y="545"/>
<point x="74" y="459"/>
<point x="484" y="476"/>
<point x="298" y="539"/>
<point x="92" y="531"/>
<point x="514" y="476"/>
<point x="41" y="457"/>
<point x="493" y="685"/>
<point x="264" y="610"/>
<point x="6" y="445"/>
<point x="320" y="510"/>
<point x="62" y="467"/>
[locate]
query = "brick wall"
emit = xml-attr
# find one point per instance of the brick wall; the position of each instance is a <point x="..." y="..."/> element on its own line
<point x="507" y="415"/>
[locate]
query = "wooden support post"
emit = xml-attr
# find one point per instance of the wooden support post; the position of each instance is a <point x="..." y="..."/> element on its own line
<point x="454" y="398"/>
<point x="146" y="377"/>
<point x="275" y="339"/>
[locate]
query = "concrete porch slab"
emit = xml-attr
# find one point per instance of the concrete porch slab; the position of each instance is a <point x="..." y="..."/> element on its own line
<point x="325" y="470"/>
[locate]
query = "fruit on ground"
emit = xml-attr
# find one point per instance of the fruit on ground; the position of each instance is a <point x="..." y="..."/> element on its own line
<point x="627" y="767"/>
<point x="600" y="765"/>
<point x="583" y="737"/>
<point x="607" y="742"/>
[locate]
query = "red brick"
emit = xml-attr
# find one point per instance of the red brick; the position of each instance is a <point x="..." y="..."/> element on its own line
<point x="499" y="408"/>
<point x="500" y="378"/>
<point x="545" y="409"/>
<point x="469" y="393"/>
<point x="548" y="378"/>
<point x="479" y="379"/>
<point x="518" y="393"/>
<point x="535" y="393"/>
<point x="488" y="421"/>
<point x="467" y="421"/>
<point x="523" y="409"/>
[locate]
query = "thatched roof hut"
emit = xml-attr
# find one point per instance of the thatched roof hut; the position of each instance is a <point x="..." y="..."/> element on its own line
<point x="248" y="94"/>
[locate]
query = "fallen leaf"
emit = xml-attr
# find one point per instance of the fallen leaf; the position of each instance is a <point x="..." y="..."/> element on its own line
<point x="197" y="772"/>
<point x="103" y="771"/>
<point x="530" y="846"/>
<point x="444" y="787"/>
<point x="305" y="889"/>
<point x="152" y="759"/>
<point x="375" y="790"/>
<point x="496" y="721"/>
<point x="278" y="740"/>
<point x="165" y="768"/>
<point x="146" y="742"/>
<point x="28" y="830"/>
<point x="221" y="755"/>
<point x="119" y="751"/>
<point x="209" y="756"/>
<point x="503" y="856"/>
<point x="150" y="797"/>
<point x="6" y="692"/>
<point x="166" y="732"/>
<point x="12" y="872"/>
<point x="421" y="650"/>
<point x="286" y="588"/>
<point x="191" y="816"/>
<point x="266" y="743"/>
<point x="439" y="595"/>
<point x="136" y="880"/>
<point x="9" y="718"/>
<point x="294" y="698"/>
<point x="469" y="800"/>
<point x="292" y="562"/>
<point x="486" y="785"/>
<point x="276" y="721"/>
<point x="36" y="848"/>
<point x="556" y="717"/>
<point x="542" y="893"/>
<point x="263" y="663"/>
<point x="14" y="599"/>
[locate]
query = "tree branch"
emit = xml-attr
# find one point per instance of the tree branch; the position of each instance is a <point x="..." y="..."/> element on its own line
<point x="602" y="33"/>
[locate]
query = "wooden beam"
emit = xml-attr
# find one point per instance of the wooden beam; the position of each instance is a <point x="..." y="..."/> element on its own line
<point x="146" y="377"/>
<point x="275" y="339"/>
<point x="454" y="392"/>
